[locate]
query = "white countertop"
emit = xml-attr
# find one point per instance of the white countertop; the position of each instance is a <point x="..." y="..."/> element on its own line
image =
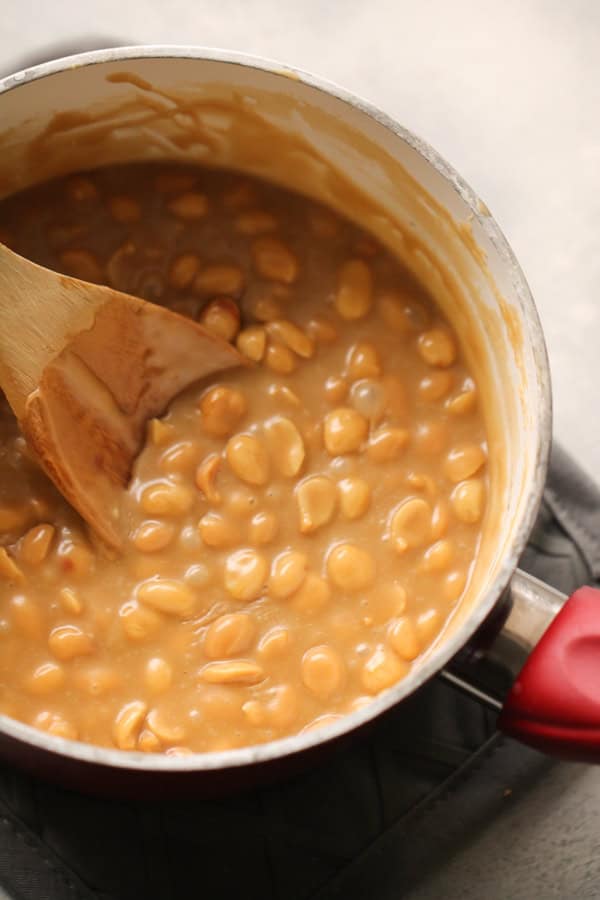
<point x="509" y="93"/>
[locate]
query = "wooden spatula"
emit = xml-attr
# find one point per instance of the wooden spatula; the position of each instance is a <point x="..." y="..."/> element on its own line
<point x="83" y="367"/>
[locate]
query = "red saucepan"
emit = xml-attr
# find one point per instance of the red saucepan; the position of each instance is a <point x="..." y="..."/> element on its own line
<point x="513" y="642"/>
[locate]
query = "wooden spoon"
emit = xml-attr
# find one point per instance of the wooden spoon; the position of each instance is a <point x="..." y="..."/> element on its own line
<point x="83" y="368"/>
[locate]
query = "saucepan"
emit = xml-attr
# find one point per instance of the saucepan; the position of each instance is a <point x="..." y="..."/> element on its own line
<point x="514" y="642"/>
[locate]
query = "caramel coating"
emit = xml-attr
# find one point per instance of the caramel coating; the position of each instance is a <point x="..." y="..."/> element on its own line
<point x="298" y="530"/>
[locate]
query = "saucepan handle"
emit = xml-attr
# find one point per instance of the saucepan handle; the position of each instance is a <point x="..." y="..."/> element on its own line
<point x="538" y="664"/>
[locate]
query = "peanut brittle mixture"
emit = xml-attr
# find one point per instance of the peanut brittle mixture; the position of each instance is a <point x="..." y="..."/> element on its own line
<point x="299" y="531"/>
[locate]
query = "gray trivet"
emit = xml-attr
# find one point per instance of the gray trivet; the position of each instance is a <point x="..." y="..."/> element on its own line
<point x="368" y="823"/>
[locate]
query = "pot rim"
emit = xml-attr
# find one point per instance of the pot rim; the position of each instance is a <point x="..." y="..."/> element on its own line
<point x="262" y="753"/>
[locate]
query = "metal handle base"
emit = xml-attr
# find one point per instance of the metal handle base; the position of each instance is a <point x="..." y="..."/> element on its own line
<point x="487" y="668"/>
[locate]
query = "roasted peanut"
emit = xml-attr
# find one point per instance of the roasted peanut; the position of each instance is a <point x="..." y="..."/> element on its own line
<point x="275" y="642"/>
<point x="206" y="477"/>
<point x="462" y="404"/>
<point x="81" y="189"/>
<point x="288" y="571"/>
<point x="403" y="638"/>
<point x="468" y="500"/>
<point x="166" y="732"/>
<point x="248" y="459"/>
<point x="75" y="558"/>
<point x="464" y="461"/>
<point x="252" y="342"/>
<point x="148" y="742"/>
<point x="239" y="671"/>
<point x="439" y="520"/>
<point x="216" y="530"/>
<point x="223" y="279"/>
<point x="355" y="497"/>
<point x="454" y="585"/>
<point x="222" y="408"/>
<point x="273" y="260"/>
<point x="245" y="574"/>
<point x="322" y="331"/>
<point x="68" y="641"/>
<point x="164" y="498"/>
<point x="263" y="528"/>
<point x="26" y="616"/>
<point x="138" y="623"/>
<point x="280" y="358"/>
<point x="428" y="625"/>
<point x="284" y="393"/>
<point x="36" y="544"/>
<point x="266" y="308"/>
<point x="438" y="557"/>
<point x="160" y="432"/>
<point x="437" y="348"/>
<point x="9" y="570"/>
<point x="293" y="337"/>
<point x="336" y="389"/>
<point x="386" y="444"/>
<point x="436" y="385"/>
<point x="350" y="567"/>
<point x="183" y="270"/>
<point x="167" y="595"/>
<point x="363" y="361"/>
<point x="312" y="595"/>
<point x="285" y="445"/>
<point x="127" y="724"/>
<point x="158" y="674"/>
<point x="279" y="707"/>
<point x="385" y="601"/>
<point x="395" y="311"/>
<point x="316" y="499"/>
<point x="323" y="670"/>
<point x="410" y="524"/>
<point x="180" y="457"/>
<point x="354" y="296"/>
<point x="56" y="725"/>
<point x="382" y="669"/>
<point x="344" y="431"/>
<point x="45" y="679"/>
<point x="229" y="635"/>
<point x="431" y="437"/>
<point x="222" y="318"/>
<point x="70" y="601"/>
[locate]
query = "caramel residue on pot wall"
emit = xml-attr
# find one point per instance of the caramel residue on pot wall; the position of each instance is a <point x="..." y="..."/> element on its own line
<point x="130" y="78"/>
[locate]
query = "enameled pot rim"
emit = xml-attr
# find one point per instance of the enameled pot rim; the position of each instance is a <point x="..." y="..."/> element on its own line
<point x="262" y="753"/>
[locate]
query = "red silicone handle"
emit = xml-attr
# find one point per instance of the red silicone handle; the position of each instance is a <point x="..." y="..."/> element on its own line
<point x="554" y="704"/>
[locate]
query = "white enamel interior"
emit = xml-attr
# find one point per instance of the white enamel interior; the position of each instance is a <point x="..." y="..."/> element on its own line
<point x="337" y="149"/>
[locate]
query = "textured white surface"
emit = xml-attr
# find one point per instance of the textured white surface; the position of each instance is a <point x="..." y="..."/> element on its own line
<point x="543" y="847"/>
<point x="510" y="94"/>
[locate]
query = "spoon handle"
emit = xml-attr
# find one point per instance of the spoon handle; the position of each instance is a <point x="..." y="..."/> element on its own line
<point x="39" y="315"/>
